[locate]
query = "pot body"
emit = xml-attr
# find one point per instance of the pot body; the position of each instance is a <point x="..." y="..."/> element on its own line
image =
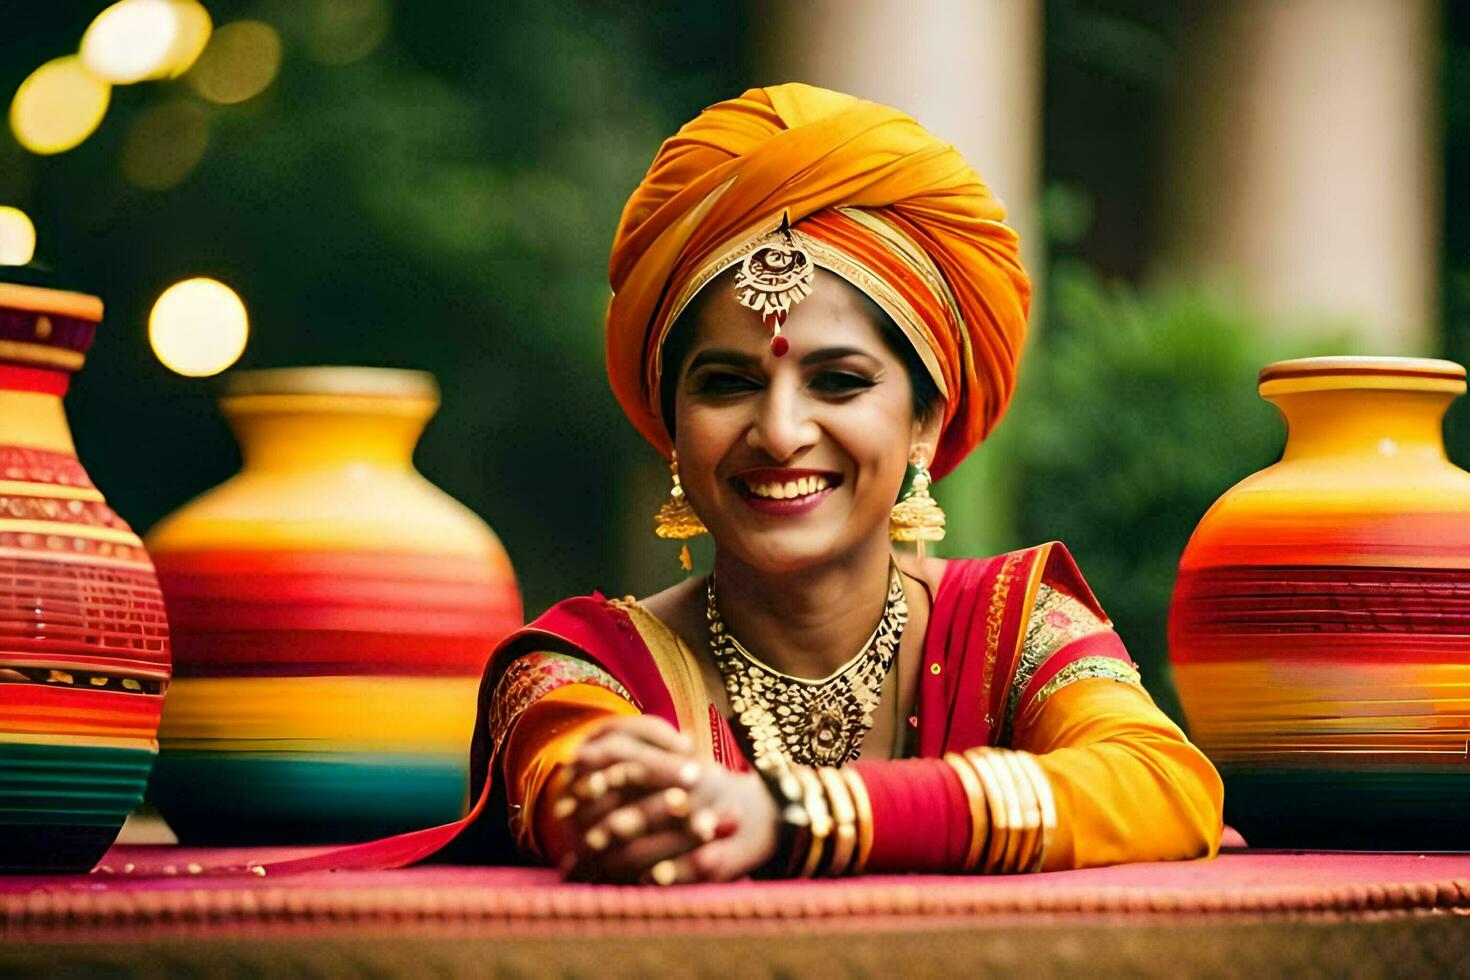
<point x="1320" y="626"/>
<point x="84" y="646"/>
<point x="334" y="611"/>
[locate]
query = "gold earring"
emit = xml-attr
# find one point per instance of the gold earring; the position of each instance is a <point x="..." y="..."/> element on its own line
<point x="917" y="516"/>
<point x="676" y="520"/>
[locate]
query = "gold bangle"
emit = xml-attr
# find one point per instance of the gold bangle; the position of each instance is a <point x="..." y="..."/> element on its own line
<point x="975" y="797"/>
<point x="999" y="825"/>
<point x="1011" y="796"/>
<point x="864" y="808"/>
<point x="844" y="834"/>
<point x="821" y="820"/>
<point x="1047" y="802"/>
<point x="1030" y="814"/>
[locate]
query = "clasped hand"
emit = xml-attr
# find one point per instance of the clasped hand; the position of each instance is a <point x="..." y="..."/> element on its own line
<point x="637" y="806"/>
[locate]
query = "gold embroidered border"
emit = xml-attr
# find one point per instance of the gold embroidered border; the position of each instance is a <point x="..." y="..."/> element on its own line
<point x="994" y="620"/>
<point x="534" y="676"/>
<point x="680" y="670"/>
<point x="1056" y="619"/>
<point x="1085" y="669"/>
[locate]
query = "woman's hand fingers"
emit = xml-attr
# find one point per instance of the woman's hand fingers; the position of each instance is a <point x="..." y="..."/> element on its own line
<point x="671" y="808"/>
<point x="650" y="728"/>
<point x="621" y="769"/>
<point x="628" y="861"/>
<point x="743" y="835"/>
<point x="720" y="860"/>
<point x="660" y="768"/>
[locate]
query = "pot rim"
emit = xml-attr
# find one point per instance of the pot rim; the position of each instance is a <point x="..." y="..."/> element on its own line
<point x="1357" y="371"/>
<point x="332" y="380"/>
<point x="44" y="299"/>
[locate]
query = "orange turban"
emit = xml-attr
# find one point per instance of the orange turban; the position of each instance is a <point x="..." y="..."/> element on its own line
<point x="872" y="196"/>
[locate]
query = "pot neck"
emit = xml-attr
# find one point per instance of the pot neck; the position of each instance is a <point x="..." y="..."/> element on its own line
<point x="312" y="432"/>
<point x="36" y="420"/>
<point x="1363" y="423"/>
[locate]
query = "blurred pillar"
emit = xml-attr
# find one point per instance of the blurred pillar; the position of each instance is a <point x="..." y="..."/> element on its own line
<point x="1303" y="162"/>
<point x="970" y="72"/>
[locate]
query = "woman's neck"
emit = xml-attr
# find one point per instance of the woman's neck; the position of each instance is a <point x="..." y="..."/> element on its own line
<point x="806" y="623"/>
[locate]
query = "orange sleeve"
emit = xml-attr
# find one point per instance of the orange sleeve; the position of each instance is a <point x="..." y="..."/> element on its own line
<point x="545" y="737"/>
<point x="1128" y="785"/>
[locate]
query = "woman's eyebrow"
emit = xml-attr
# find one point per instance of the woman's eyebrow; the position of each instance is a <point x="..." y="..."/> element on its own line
<point x="833" y="354"/>
<point x="723" y="355"/>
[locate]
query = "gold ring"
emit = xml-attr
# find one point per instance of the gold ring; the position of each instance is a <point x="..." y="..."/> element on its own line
<point x="616" y="775"/>
<point x="596" y="785"/>
<point x="637" y="773"/>
<point x="676" y="802"/>
<point x="597" y="839"/>
<point x="664" y="873"/>
<point x="704" y="824"/>
<point x="627" y="823"/>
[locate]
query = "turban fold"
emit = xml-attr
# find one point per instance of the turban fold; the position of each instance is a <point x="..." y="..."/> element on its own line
<point x="871" y="196"/>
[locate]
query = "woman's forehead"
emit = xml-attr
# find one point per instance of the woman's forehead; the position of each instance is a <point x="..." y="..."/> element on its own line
<point x="835" y="314"/>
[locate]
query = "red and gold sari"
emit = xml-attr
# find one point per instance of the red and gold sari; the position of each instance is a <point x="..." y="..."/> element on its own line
<point x="1018" y="654"/>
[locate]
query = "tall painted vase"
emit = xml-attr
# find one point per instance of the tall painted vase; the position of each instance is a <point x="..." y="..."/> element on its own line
<point x="1320" y="628"/>
<point x="84" y="652"/>
<point x="333" y="613"/>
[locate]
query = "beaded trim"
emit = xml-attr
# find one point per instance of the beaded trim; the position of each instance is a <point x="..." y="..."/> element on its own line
<point x="1086" y="669"/>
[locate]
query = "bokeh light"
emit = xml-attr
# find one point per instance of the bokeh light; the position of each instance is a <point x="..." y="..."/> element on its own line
<point x="133" y="40"/>
<point x="195" y="28"/>
<point x="198" y="327"/>
<point x="344" y="31"/>
<point x="164" y="144"/>
<point x="58" y="106"/>
<point x="240" y="62"/>
<point x="17" y="237"/>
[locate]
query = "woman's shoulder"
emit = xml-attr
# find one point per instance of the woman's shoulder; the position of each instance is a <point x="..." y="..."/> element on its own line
<point x="584" y="624"/>
<point x="1049" y="552"/>
<point x="1049" y="562"/>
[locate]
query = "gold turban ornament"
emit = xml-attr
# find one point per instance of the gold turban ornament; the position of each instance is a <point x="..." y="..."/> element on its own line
<point x="865" y="192"/>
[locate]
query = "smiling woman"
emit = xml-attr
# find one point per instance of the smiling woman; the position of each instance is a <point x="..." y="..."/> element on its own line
<point x="817" y="308"/>
<point x="816" y="303"/>
<point x="754" y="432"/>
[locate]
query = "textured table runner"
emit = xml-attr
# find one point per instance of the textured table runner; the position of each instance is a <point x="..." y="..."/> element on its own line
<point x="159" y="890"/>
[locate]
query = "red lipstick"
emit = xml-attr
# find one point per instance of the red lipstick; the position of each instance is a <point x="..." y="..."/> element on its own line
<point x="788" y="506"/>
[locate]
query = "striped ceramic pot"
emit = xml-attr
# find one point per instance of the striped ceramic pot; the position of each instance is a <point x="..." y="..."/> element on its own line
<point x="1320" y="628"/>
<point x="84" y="653"/>
<point x="333" y="612"/>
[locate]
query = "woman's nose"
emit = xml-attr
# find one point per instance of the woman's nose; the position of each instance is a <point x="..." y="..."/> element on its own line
<point x="783" y="424"/>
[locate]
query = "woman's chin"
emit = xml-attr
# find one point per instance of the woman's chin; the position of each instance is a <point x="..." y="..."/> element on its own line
<point x="782" y="552"/>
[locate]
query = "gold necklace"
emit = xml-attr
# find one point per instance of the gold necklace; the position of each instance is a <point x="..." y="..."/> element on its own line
<point x="809" y="722"/>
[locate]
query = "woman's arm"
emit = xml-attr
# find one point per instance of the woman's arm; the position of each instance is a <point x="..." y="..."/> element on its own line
<point x="537" y="754"/>
<point x="1127" y="784"/>
<point x="1098" y="775"/>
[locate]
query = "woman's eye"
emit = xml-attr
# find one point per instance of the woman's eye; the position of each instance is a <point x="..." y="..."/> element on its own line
<point x="724" y="383"/>
<point x="841" y="382"/>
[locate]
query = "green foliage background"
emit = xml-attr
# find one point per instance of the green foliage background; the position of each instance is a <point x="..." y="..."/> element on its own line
<point x="1136" y="410"/>
<point x="446" y="203"/>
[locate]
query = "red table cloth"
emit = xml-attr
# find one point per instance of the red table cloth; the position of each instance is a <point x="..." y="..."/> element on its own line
<point x="151" y="901"/>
